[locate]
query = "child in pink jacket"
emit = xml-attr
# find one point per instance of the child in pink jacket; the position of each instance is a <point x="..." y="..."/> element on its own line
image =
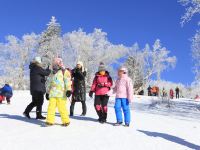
<point x="124" y="95"/>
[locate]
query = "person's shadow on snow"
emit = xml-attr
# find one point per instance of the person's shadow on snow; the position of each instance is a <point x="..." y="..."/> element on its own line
<point x="172" y="139"/>
<point x="22" y="118"/>
<point x="84" y="118"/>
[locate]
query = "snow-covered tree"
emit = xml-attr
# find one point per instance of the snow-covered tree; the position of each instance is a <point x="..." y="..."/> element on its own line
<point x="135" y="65"/>
<point x="143" y="64"/>
<point x="161" y="59"/>
<point x="196" y="55"/>
<point x="51" y="43"/>
<point x="192" y="7"/>
<point x="91" y="48"/>
<point x="16" y="57"/>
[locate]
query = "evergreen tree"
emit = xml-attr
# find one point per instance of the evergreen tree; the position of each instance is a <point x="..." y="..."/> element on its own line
<point x="50" y="44"/>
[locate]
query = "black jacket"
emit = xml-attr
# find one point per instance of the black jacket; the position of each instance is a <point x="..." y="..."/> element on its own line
<point x="37" y="78"/>
<point x="79" y="88"/>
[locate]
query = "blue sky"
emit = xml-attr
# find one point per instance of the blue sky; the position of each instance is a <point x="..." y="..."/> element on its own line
<point x="125" y="21"/>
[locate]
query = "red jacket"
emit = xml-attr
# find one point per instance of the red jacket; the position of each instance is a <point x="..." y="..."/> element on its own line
<point x="171" y="93"/>
<point x="101" y="84"/>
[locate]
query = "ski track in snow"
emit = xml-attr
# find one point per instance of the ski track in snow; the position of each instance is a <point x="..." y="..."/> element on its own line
<point x="154" y="127"/>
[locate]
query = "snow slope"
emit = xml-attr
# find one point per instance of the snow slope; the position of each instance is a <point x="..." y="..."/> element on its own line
<point x="154" y="127"/>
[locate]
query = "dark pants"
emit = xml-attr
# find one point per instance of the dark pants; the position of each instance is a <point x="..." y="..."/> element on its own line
<point x="37" y="101"/>
<point x="100" y="104"/>
<point x="177" y="95"/>
<point x="84" y="108"/>
<point x="149" y="93"/>
<point x="8" y="99"/>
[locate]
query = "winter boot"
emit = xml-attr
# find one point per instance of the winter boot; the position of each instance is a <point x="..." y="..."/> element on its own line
<point x="99" y="113"/>
<point x="118" y="124"/>
<point x="126" y="125"/>
<point x="39" y="116"/>
<point x="65" y="124"/>
<point x="26" y="114"/>
<point x="104" y="117"/>
<point x="83" y="114"/>
<point x="49" y="124"/>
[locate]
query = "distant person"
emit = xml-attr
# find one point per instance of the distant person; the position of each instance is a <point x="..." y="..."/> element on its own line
<point x="177" y="92"/>
<point x="79" y="88"/>
<point x="149" y="90"/>
<point x="6" y="92"/>
<point x="154" y="91"/>
<point x="197" y="97"/>
<point x="164" y="93"/>
<point x="37" y="87"/>
<point x="101" y="85"/>
<point x="141" y="92"/>
<point x="171" y="93"/>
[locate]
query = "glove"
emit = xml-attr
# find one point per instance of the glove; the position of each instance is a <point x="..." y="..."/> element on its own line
<point x="47" y="96"/>
<point x="106" y="84"/>
<point x="100" y="85"/>
<point x="91" y="94"/>
<point x="68" y="93"/>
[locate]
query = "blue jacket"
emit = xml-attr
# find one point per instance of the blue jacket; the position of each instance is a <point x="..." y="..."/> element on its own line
<point x="7" y="90"/>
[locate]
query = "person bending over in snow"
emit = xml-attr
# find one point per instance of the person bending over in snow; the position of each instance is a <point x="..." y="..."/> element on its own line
<point x="37" y="87"/>
<point x="58" y="89"/>
<point x="124" y="95"/>
<point x="79" y="88"/>
<point x="101" y="85"/>
<point x="6" y="92"/>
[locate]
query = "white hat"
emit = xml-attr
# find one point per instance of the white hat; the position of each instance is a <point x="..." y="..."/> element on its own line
<point x="38" y="60"/>
<point x="80" y="63"/>
<point x="124" y="69"/>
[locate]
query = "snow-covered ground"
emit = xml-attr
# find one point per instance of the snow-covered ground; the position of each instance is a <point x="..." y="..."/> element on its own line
<point x="155" y="126"/>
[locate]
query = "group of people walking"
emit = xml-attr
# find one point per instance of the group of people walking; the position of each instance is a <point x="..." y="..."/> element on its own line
<point x="59" y="84"/>
<point x="154" y="91"/>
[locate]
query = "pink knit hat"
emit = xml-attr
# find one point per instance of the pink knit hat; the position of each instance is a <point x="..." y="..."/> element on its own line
<point x="58" y="61"/>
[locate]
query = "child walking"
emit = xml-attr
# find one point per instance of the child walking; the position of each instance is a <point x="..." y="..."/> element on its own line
<point x="101" y="85"/>
<point x="58" y="88"/>
<point x="124" y="95"/>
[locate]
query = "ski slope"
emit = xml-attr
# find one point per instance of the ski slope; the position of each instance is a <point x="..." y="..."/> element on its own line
<point x="155" y="126"/>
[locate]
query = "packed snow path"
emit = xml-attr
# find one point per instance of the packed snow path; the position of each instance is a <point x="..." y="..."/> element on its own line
<point x="151" y="128"/>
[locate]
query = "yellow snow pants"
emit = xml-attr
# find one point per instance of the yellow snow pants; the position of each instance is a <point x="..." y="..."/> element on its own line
<point x="61" y="104"/>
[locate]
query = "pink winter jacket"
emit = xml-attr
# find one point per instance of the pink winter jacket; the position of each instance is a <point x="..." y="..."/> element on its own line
<point x="101" y="84"/>
<point x="124" y="88"/>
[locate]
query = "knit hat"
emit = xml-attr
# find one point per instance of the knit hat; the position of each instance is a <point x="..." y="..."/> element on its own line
<point x="59" y="62"/>
<point x="38" y="60"/>
<point x="123" y="69"/>
<point x="102" y="67"/>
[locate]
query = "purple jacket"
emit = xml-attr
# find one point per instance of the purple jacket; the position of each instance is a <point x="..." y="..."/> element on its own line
<point x="124" y="88"/>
